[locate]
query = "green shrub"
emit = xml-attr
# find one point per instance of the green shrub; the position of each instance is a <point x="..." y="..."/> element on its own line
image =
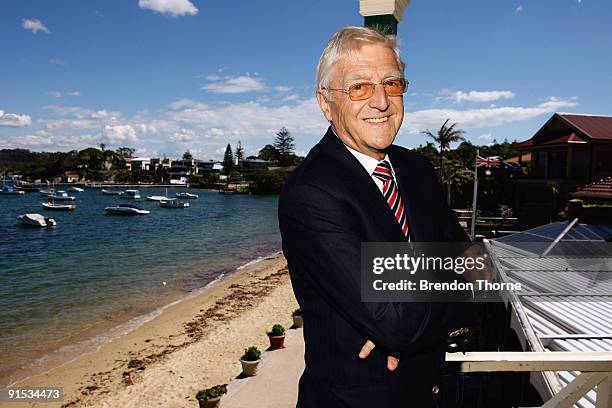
<point x="277" y="330"/>
<point x="212" y="392"/>
<point x="251" y="354"/>
<point x="297" y="312"/>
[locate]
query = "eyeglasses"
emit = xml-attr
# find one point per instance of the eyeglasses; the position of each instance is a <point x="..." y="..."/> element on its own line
<point x="364" y="90"/>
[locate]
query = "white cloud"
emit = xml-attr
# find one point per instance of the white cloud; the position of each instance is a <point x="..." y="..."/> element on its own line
<point x="481" y="96"/>
<point x="57" y="62"/>
<point x="183" y="135"/>
<point x="120" y="134"/>
<point x="282" y="88"/>
<point x="415" y="122"/>
<point x="239" y="84"/>
<point x="213" y="77"/>
<point x="74" y="93"/>
<point x="486" y="136"/>
<point x="55" y="94"/>
<point x="34" y="25"/>
<point x="174" y="8"/>
<point x="518" y="9"/>
<point x="14" y="120"/>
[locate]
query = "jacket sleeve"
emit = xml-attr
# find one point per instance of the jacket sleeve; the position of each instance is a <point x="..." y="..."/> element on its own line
<point x="322" y="245"/>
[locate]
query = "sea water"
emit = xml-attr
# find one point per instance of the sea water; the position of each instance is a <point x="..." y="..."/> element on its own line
<point x="96" y="276"/>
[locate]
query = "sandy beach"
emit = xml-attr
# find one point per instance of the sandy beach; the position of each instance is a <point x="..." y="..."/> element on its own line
<point x="192" y="345"/>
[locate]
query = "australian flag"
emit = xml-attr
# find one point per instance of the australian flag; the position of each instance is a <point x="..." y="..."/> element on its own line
<point x="494" y="166"/>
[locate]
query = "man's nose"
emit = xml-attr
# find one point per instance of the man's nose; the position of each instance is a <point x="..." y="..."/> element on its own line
<point x="380" y="99"/>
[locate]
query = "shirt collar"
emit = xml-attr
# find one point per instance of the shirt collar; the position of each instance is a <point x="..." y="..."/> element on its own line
<point x="369" y="163"/>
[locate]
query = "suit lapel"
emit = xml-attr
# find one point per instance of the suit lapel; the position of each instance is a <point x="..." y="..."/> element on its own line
<point x="362" y="184"/>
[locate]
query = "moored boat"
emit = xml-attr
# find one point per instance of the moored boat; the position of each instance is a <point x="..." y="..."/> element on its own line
<point x="58" y="207"/>
<point x="36" y="220"/>
<point x="157" y="198"/>
<point x="131" y="194"/>
<point x="127" y="209"/>
<point x="173" y="203"/>
<point x="76" y="189"/>
<point x="112" y="192"/>
<point x="61" y="196"/>
<point x="8" y="190"/>
<point x="187" y="195"/>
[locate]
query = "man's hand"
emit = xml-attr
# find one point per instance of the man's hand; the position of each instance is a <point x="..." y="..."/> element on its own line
<point x="392" y="362"/>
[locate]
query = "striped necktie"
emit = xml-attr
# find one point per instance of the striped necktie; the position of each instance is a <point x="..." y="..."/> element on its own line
<point x="391" y="193"/>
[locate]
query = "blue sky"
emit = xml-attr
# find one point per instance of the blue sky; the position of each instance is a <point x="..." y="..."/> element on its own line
<point x="166" y="76"/>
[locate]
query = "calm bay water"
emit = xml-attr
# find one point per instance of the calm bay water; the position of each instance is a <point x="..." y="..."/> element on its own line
<point x="66" y="290"/>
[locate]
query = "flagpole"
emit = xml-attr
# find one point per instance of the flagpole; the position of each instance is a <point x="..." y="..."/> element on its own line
<point x="473" y="226"/>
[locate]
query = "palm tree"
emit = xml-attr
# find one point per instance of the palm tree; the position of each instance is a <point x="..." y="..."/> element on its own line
<point x="445" y="136"/>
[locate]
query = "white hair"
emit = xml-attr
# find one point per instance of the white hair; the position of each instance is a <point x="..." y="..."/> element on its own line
<point x="345" y="41"/>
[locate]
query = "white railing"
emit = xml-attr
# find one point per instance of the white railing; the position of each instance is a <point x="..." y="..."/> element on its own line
<point x="595" y="371"/>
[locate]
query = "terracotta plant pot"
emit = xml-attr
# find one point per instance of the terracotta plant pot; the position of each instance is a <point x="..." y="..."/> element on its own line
<point x="298" y="321"/>
<point x="210" y="403"/>
<point x="277" y="342"/>
<point x="249" y="368"/>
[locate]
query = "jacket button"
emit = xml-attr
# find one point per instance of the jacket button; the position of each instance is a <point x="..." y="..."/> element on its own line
<point x="435" y="390"/>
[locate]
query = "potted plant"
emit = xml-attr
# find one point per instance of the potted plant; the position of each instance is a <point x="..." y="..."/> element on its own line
<point x="250" y="361"/>
<point x="297" y="318"/>
<point x="211" y="397"/>
<point x="277" y="337"/>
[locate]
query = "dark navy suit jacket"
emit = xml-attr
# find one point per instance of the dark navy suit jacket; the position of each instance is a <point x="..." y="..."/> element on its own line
<point x="329" y="206"/>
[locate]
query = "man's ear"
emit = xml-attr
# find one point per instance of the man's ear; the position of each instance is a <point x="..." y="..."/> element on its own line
<point x="324" y="105"/>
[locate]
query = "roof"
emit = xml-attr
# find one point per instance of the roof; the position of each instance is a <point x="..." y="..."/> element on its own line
<point x="599" y="189"/>
<point x="566" y="296"/>
<point x="564" y="128"/>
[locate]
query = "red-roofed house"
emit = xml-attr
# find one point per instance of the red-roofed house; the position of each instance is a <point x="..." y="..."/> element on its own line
<point x="569" y="151"/>
<point x="572" y="147"/>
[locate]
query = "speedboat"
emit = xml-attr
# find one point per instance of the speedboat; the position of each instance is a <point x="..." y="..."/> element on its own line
<point x="173" y="203"/>
<point x="76" y="189"/>
<point x="126" y="209"/>
<point x="47" y="191"/>
<point x="37" y="220"/>
<point x="131" y="194"/>
<point x="112" y="192"/>
<point x="186" y="195"/>
<point x="8" y="190"/>
<point x="61" y="196"/>
<point x="58" y="207"/>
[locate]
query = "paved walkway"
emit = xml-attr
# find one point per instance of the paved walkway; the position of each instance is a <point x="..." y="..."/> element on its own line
<point x="276" y="384"/>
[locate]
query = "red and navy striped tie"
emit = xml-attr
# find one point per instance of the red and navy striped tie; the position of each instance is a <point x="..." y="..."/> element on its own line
<point x="391" y="193"/>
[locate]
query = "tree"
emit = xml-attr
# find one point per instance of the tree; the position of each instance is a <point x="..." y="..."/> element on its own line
<point x="268" y="152"/>
<point x="284" y="144"/>
<point x="125" y="151"/>
<point x="239" y="152"/>
<point x="445" y="136"/>
<point x="187" y="155"/>
<point x="228" y="160"/>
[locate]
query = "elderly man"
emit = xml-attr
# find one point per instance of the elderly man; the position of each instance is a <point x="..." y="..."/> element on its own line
<point x="356" y="186"/>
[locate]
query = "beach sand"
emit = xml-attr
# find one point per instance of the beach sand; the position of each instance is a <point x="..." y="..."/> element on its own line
<point x="192" y="345"/>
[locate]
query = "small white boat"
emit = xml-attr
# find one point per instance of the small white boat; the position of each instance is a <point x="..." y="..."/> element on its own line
<point x="61" y="196"/>
<point x="126" y="209"/>
<point x="187" y="195"/>
<point x="76" y="189"/>
<point x="58" y="207"/>
<point x="37" y="220"/>
<point x="157" y="198"/>
<point x="112" y="192"/>
<point x="173" y="203"/>
<point x="47" y="191"/>
<point x="131" y="194"/>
